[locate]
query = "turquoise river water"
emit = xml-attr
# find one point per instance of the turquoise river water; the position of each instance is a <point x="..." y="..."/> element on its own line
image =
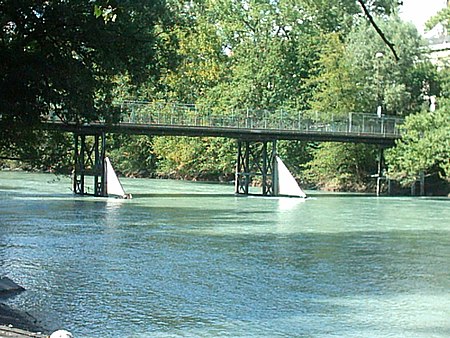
<point x="193" y="260"/>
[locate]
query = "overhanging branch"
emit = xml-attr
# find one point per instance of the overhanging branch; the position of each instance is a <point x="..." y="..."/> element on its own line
<point x="379" y="31"/>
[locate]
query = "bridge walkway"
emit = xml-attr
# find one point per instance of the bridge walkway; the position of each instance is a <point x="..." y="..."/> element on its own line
<point x="190" y="120"/>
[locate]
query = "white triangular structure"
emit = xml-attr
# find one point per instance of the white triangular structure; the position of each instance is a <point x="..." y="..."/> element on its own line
<point x="285" y="184"/>
<point x="113" y="185"/>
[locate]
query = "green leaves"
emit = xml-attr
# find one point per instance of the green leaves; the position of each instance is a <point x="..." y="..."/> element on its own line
<point x="59" y="57"/>
<point x="195" y="158"/>
<point x="342" y="166"/>
<point x="442" y="17"/>
<point x="73" y="58"/>
<point x="424" y="147"/>
<point x="335" y="91"/>
<point x="107" y="13"/>
<point x="132" y="155"/>
<point x="378" y="78"/>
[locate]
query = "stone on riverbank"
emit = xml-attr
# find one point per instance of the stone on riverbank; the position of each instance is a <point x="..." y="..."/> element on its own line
<point x="61" y="334"/>
<point x="8" y="286"/>
<point x="12" y="332"/>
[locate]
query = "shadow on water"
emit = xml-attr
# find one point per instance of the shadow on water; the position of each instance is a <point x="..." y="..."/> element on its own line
<point x="179" y="195"/>
<point x="317" y="194"/>
<point x="310" y="196"/>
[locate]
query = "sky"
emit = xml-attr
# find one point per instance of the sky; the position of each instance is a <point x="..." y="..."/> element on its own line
<point x="419" y="11"/>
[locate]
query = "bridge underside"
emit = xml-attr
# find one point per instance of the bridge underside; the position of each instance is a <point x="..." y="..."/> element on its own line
<point x="254" y="165"/>
<point x="256" y="149"/>
<point x="387" y="140"/>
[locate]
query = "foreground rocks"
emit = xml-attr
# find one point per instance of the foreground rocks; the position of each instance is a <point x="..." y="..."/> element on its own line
<point x="15" y="323"/>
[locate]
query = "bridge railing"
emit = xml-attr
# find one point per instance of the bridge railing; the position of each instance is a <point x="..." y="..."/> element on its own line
<point x="173" y="114"/>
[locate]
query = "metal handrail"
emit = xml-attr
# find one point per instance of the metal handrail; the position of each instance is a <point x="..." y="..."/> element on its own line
<point x="189" y="115"/>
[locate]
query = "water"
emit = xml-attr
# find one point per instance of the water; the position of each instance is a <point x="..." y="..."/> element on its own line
<point x="192" y="260"/>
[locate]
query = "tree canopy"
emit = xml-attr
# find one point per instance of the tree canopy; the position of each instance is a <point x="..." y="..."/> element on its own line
<point x="424" y="147"/>
<point x="61" y="57"/>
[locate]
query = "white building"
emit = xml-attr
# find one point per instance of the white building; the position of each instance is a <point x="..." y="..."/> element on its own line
<point x="439" y="50"/>
<point x="439" y="44"/>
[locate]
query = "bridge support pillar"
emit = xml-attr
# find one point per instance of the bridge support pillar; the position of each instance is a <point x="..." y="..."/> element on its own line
<point x="380" y="170"/>
<point x="89" y="161"/>
<point x="254" y="165"/>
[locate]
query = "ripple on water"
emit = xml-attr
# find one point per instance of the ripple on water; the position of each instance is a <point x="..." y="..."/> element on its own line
<point x="193" y="260"/>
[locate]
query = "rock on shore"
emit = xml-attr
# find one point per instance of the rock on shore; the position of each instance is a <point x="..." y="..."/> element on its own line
<point x="10" y="317"/>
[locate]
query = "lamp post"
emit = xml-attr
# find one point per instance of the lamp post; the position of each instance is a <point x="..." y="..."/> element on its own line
<point x="379" y="56"/>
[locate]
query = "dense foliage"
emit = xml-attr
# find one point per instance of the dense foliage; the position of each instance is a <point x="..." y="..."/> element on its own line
<point x="62" y="57"/>
<point x="342" y="167"/>
<point x="303" y="56"/>
<point x="424" y="147"/>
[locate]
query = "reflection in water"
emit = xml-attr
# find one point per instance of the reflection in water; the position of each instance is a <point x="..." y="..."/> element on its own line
<point x="286" y="203"/>
<point x="291" y="215"/>
<point x="113" y="209"/>
<point x="199" y="261"/>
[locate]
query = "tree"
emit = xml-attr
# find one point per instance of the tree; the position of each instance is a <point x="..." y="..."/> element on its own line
<point x="442" y="17"/>
<point x="202" y="60"/>
<point x="239" y="55"/>
<point x="273" y="46"/>
<point x="424" y="146"/>
<point x="256" y="55"/>
<point x="132" y="155"/>
<point x="61" y="57"/>
<point x="352" y="75"/>
<point x="341" y="166"/>
<point x="334" y="89"/>
<point x="378" y="77"/>
<point x="192" y="158"/>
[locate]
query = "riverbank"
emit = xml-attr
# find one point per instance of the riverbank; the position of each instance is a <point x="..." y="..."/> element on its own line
<point x="11" y="332"/>
<point x="12" y="322"/>
<point x="434" y="186"/>
<point x="18" y="324"/>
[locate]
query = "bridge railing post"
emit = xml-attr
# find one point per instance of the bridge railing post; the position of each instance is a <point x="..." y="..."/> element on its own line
<point x="247" y="119"/>
<point x="350" y="115"/>
<point x="265" y="118"/>
<point x="77" y="188"/>
<point x="280" y="121"/>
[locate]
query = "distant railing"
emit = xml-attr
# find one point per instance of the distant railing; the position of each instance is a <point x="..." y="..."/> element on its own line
<point x="189" y="115"/>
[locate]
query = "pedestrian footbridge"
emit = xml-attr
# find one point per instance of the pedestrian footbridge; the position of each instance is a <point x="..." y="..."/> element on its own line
<point x="256" y="132"/>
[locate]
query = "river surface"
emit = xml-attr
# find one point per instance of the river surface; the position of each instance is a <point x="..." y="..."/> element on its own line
<point x="192" y="260"/>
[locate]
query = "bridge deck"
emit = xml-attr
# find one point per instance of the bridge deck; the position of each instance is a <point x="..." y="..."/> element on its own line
<point x="230" y="132"/>
<point x="188" y="120"/>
